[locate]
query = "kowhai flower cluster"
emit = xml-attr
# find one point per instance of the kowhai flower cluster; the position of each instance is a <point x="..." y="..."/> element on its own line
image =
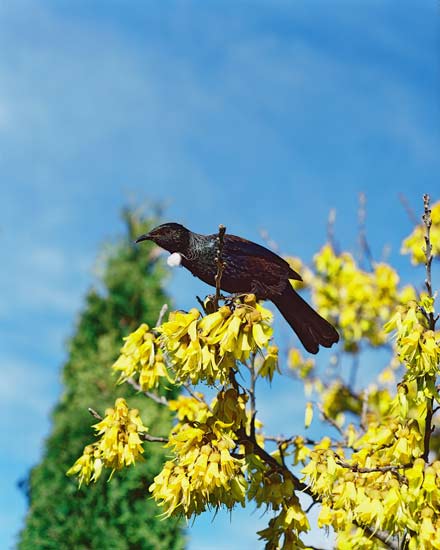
<point x="359" y="302"/>
<point x="207" y="348"/>
<point x="119" y="444"/>
<point x="141" y="357"/>
<point x="417" y="346"/>
<point x="205" y="472"/>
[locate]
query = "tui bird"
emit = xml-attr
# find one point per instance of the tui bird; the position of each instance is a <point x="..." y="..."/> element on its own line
<point x="248" y="268"/>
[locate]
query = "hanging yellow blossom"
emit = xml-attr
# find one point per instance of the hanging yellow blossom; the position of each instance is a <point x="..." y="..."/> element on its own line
<point x="269" y="364"/>
<point x="203" y="474"/>
<point x="417" y="346"/>
<point x="205" y="349"/>
<point x="140" y="356"/>
<point x="119" y="444"/>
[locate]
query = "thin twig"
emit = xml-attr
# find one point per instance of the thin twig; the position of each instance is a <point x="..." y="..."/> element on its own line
<point x="428" y="253"/>
<point x="381" y="469"/>
<point x="94" y="413"/>
<point x="160" y="399"/>
<point x="313" y="503"/>
<point x="431" y="319"/>
<point x="201" y="302"/>
<point x="364" y="411"/>
<point x="330" y="420"/>
<point x="306" y="441"/>
<point x="220" y="263"/>
<point x="410" y="212"/>
<point x="273" y="462"/>
<point x="162" y="312"/>
<point x="354" y="370"/>
<point x="331" y="228"/>
<point x="251" y="391"/>
<point x="383" y="536"/>
<point x="195" y="396"/>
<point x="153" y="438"/>
<point x="244" y="437"/>
<point x="132" y="382"/>
<point x="365" y="250"/>
<point x="144" y="436"/>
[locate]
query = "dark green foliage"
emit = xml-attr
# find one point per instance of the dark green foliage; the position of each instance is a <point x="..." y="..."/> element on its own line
<point x="104" y="516"/>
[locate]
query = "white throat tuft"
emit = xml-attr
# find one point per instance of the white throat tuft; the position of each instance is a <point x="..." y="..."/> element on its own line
<point x="174" y="259"/>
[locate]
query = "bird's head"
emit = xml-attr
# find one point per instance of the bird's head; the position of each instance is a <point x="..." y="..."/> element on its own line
<point x="170" y="236"/>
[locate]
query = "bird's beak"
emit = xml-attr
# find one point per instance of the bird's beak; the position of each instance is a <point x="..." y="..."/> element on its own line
<point x="145" y="237"/>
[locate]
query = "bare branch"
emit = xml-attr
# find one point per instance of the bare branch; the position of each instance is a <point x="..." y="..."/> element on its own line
<point x="410" y="212"/>
<point x="153" y="438"/>
<point x="383" y="536"/>
<point x="193" y="394"/>
<point x="94" y="413"/>
<point x="278" y="439"/>
<point x="331" y="228"/>
<point x="364" y="411"/>
<point x="160" y="399"/>
<point x="382" y="469"/>
<point x="330" y="420"/>
<point x="431" y="320"/>
<point x="162" y="312"/>
<point x="251" y="391"/>
<point x="428" y="253"/>
<point x="365" y="250"/>
<point x="220" y="263"/>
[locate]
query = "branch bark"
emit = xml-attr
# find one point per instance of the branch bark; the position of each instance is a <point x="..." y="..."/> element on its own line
<point x="220" y="263"/>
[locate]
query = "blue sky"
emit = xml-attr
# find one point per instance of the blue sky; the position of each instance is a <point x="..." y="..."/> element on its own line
<point x="252" y="114"/>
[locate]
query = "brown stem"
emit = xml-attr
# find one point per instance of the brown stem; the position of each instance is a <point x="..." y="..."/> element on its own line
<point x="159" y="399"/>
<point x="431" y="319"/>
<point x="383" y="469"/>
<point x="220" y="264"/>
<point x="330" y="420"/>
<point x="162" y="312"/>
<point x="153" y="438"/>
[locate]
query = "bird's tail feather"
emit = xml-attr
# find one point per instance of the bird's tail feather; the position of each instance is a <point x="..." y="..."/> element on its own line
<point x="312" y="329"/>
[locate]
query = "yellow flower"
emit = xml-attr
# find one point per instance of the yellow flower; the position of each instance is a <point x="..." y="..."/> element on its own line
<point x="88" y="467"/>
<point x="139" y="356"/>
<point x="189" y="409"/>
<point x="204" y="473"/>
<point x="119" y="444"/>
<point x="270" y="363"/>
<point x="357" y="301"/>
<point x="417" y="347"/>
<point x="414" y="244"/>
<point x="206" y="349"/>
<point x="299" y="364"/>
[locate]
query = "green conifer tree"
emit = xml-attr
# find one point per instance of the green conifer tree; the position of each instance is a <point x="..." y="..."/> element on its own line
<point x="105" y="516"/>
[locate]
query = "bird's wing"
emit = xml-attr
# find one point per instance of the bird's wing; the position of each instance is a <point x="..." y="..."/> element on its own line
<point x="237" y="246"/>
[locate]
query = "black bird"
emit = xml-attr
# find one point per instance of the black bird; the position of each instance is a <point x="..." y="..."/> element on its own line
<point x="248" y="268"/>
